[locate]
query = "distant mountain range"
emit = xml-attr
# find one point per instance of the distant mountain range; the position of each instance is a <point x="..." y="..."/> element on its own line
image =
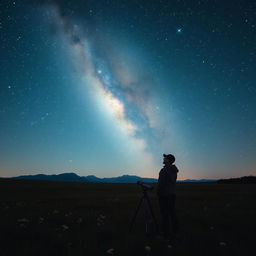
<point x="73" y="177"/>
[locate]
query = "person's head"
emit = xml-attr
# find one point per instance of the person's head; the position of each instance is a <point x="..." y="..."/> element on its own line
<point x="168" y="159"/>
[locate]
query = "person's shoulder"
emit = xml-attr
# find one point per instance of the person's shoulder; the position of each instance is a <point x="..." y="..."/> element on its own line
<point x="174" y="167"/>
<point x="162" y="170"/>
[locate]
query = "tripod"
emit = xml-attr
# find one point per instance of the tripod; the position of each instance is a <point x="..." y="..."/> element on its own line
<point x="147" y="210"/>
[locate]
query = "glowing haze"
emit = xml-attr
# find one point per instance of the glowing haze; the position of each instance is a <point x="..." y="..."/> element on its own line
<point x="105" y="88"/>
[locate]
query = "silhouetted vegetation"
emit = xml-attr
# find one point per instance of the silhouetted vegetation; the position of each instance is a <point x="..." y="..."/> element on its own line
<point x="241" y="180"/>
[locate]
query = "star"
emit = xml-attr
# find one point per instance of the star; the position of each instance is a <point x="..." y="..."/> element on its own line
<point x="179" y="30"/>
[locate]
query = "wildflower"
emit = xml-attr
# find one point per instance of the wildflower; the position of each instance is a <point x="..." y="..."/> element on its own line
<point x="169" y="246"/>
<point x="100" y="220"/>
<point x="147" y="248"/>
<point x="22" y="225"/>
<point x="110" y="251"/>
<point x="102" y="216"/>
<point x="41" y="220"/>
<point x="65" y="227"/>
<point x="80" y="220"/>
<point x="24" y="220"/>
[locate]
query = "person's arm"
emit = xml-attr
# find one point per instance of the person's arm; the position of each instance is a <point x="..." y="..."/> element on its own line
<point x="161" y="182"/>
<point x="176" y="169"/>
<point x="174" y="173"/>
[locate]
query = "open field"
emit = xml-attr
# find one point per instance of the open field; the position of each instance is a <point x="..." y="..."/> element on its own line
<point x="57" y="218"/>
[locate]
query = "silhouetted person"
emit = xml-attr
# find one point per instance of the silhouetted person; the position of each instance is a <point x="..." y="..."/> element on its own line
<point x="166" y="191"/>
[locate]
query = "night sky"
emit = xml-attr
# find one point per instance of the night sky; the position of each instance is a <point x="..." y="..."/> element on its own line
<point x="106" y="87"/>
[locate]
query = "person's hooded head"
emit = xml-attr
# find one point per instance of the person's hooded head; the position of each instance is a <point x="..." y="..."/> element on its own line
<point x="168" y="159"/>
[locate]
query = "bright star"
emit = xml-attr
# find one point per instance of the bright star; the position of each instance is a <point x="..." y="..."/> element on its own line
<point x="179" y="30"/>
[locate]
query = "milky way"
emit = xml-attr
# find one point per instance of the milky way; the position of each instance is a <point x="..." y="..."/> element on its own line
<point x="116" y="96"/>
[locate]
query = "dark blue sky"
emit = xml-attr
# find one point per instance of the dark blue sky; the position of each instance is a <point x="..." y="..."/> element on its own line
<point x="106" y="87"/>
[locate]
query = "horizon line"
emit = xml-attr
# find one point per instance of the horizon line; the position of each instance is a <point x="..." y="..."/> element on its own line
<point x="120" y="176"/>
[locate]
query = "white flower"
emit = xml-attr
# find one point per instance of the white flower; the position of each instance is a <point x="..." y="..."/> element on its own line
<point x="223" y="244"/>
<point x="102" y="216"/>
<point x="147" y="248"/>
<point x="80" y="220"/>
<point x="41" y="220"/>
<point x="24" y="220"/>
<point x="65" y="227"/>
<point x="110" y="251"/>
<point x="100" y="220"/>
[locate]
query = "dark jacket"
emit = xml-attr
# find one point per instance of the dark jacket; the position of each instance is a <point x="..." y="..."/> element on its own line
<point x="167" y="180"/>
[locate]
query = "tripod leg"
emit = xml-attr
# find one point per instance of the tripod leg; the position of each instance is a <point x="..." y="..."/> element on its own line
<point x="151" y="212"/>
<point x="136" y="212"/>
<point x="146" y="216"/>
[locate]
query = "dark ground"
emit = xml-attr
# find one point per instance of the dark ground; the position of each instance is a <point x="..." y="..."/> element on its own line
<point x="57" y="218"/>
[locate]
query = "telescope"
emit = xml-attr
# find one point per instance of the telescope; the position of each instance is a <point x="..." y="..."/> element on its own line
<point x="144" y="185"/>
<point x="148" y="210"/>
